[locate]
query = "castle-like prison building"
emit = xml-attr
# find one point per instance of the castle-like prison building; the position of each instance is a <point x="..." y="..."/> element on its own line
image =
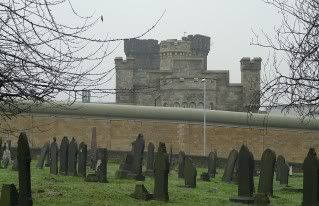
<point x="173" y="73"/>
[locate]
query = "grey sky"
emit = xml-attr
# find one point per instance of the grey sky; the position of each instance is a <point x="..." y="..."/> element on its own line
<point x="229" y="23"/>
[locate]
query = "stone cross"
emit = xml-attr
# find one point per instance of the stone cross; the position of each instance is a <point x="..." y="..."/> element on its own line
<point x="54" y="157"/>
<point x="150" y="160"/>
<point x="43" y="155"/>
<point x="72" y="157"/>
<point x="310" y="169"/>
<point x="181" y="164"/>
<point x="24" y="160"/>
<point x="82" y="159"/>
<point x="161" y="170"/>
<point x="267" y="168"/>
<point x="230" y="165"/>
<point x="190" y="173"/>
<point x="64" y="148"/>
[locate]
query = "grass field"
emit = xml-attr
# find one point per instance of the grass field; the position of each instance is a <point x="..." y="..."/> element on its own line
<point x="73" y="191"/>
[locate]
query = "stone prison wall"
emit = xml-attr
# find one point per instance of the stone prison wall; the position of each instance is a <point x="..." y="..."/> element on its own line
<point x="117" y="135"/>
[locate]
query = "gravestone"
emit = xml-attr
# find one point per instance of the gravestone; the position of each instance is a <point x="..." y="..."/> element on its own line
<point x="170" y="158"/>
<point x="161" y="170"/>
<point x="181" y="164"/>
<point x="101" y="165"/>
<point x="267" y="168"/>
<point x="284" y="174"/>
<point x="150" y="160"/>
<point x="125" y="167"/>
<point x="93" y="149"/>
<point x="190" y="173"/>
<point x="310" y="169"/>
<point x="72" y="157"/>
<point x="48" y="161"/>
<point x="234" y="178"/>
<point x="230" y="165"/>
<point x="9" y="195"/>
<point x="141" y="193"/>
<point x="43" y="155"/>
<point x="6" y="155"/>
<point x="64" y="148"/>
<point x="24" y="160"/>
<point x="54" y="156"/>
<point x="280" y="161"/>
<point x="212" y="163"/>
<point x="245" y="176"/>
<point x="82" y="159"/>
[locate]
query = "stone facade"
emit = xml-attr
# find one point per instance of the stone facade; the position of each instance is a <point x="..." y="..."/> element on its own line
<point x="170" y="74"/>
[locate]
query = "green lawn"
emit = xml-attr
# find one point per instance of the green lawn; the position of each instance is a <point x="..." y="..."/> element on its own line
<point x="65" y="190"/>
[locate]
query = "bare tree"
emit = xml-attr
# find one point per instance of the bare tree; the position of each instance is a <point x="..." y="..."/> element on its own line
<point x="41" y="57"/>
<point x="297" y="42"/>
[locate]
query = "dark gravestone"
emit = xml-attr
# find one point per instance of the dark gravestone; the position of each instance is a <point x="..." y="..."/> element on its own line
<point x="9" y="195"/>
<point x="43" y="155"/>
<point x="150" y="160"/>
<point x="181" y="164"/>
<point x="93" y="149"/>
<point x="170" y="158"/>
<point x="280" y="161"/>
<point x="82" y="159"/>
<point x="310" y="169"/>
<point x="24" y="159"/>
<point x="125" y="167"/>
<point x="230" y="165"/>
<point x="284" y="174"/>
<point x="54" y="157"/>
<point x="267" y="167"/>
<point x="245" y="176"/>
<point x="212" y="164"/>
<point x="161" y="170"/>
<point x="141" y="193"/>
<point x="235" y="173"/>
<point x="48" y="162"/>
<point x="190" y="173"/>
<point x="101" y="165"/>
<point x="64" y="148"/>
<point x="72" y="157"/>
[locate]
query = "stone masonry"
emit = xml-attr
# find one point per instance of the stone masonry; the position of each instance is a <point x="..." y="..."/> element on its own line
<point x="170" y="74"/>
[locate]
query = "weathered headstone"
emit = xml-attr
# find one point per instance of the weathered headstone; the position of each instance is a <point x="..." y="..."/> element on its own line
<point x="125" y="166"/>
<point x="230" y="165"/>
<point x="284" y="174"/>
<point x="161" y="170"/>
<point x="310" y="169"/>
<point x="54" y="156"/>
<point x="245" y="176"/>
<point x="82" y="159"/>
<point x="72" y="157"/>
<point x="9" y="195"/>
<point x="93" y="149"/>
<point x="181" y="164"/>
<point x="234" y="178"/>
<point x="6" y="155"/>
<point x="141" y="193"/>
<point x="43" y="155"/>
<point x="170" y="158"/>
<point x="48" y="161"/>
<point x="64" y="148"/>
<point x="280" y="161"/>
<point x="267" y="168"/>
<point x="212" y="164"/>
<point x="190" y="173"/>
<point x="150" y="160"/>
<point x="24" y="160"/>
<point x="101" y="165"/>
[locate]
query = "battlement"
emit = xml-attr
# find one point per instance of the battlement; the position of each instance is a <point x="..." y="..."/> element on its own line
<point x="140" y="46"/>
<point x="199" y="43"/>
<point x="128" y="63"/>
<point x="247" y="63"/>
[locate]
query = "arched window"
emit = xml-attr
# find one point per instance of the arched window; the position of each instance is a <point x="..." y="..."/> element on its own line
<point x="184" y="105"/>
<point x="200" y="105"/>
<point x="165" y="105"/>
<point x="176" y="104"/>
<point x="192" y="105"/>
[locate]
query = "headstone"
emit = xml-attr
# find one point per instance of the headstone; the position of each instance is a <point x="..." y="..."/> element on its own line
<point x="64" y="148"/>
<point x="284" y="174"/>
<point x="181" y="164"/>
<point x="212" y="164"/>
<point x="101" y="165"/>
<point x="234" y="178"/>
<point x="150" y="160"/>
<point x="230" y="165"/>
<point x="6" y="155"/>
<point x="82" y="159"/>
<point x="290" y="171"/>
<point x="190" y="173"/>
<point x="161" y="170"/>
<point x="93" y="149"/>
<point x="310" y="169"/>
<point x="24" y="160"/>
<point x="43" y="155"/>
<point x="245" y="176"/>
<point x="125" y="167"/>
<point x="141" y="193"/>
<point x="267" y="168"/>
<point x="170" y="158"/>
<point x="48" y="161"/>
<point x="54" y="156"/>
<point x="9" y="195"/>
<point x="72" y="157"/>
<point x="280" y="161"/>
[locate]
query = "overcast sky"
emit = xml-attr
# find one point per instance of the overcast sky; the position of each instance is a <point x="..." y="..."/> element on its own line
<point x="229" y="23"/>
